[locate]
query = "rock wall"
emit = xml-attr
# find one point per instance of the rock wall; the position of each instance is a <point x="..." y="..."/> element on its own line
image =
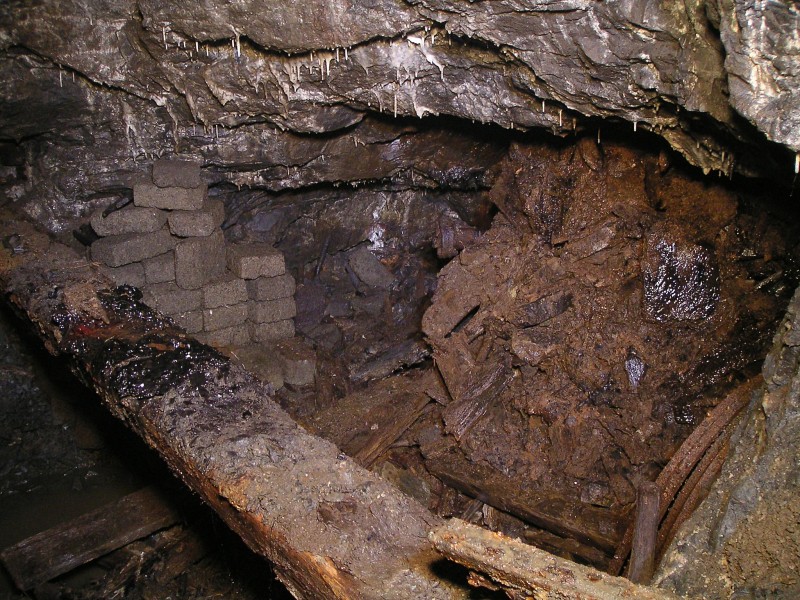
<point x="248" y="87"/>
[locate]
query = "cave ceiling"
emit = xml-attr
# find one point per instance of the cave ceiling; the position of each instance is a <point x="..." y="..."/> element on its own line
<point x="269" y="94"/>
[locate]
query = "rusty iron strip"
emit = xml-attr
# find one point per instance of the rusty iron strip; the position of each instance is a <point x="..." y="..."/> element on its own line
<point x="690" y="453"/>
<point x="332" y="529"/>
<point x="694" y="491"/>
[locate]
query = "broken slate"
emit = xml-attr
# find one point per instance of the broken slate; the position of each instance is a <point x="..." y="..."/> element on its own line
<point x="369" y="269"/>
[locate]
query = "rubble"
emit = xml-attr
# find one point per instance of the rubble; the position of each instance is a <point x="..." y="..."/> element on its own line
<point x="587" y="333"/>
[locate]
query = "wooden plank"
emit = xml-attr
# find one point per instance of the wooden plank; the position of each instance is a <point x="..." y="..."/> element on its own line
<point x="472" y="385"/>
<point x="527" y="572"/>
<point x="573" y="549"/>
<point x="62" y="548"/>
<point x="216" y="427"/>
<point x="364" y="424"/>
<point x="645" y="533"/>
<point x="599" y="527"/>
<point x="151" y="562"/>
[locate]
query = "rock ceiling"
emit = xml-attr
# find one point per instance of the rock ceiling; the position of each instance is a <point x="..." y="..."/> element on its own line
<point x="243" y="85"/>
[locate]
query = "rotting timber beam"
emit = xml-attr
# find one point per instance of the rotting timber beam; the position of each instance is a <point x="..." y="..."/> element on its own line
<point x="331" y="528"/>
<point x="523" y="571"/>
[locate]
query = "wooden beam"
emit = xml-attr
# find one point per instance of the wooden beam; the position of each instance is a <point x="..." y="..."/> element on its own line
<point x="365" y="423"/>
<point x="331" y="528"/>
<point x="598" y="527"/>
<point x="527" y="572"/>
<point x="67" y="546"/>
<point x="645" y="533"/>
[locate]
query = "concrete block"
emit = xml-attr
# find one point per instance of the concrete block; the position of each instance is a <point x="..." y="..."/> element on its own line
<point x="265" y="365"/>
<point x="198" y="260"/>
<point x="171" y="172"/>
<point x="271" y="311"/>
<point x="203" y="222"/>
<point x="250" y="261"/>
<point x="298" y="361"/>
<point x="172" y="198"/>
<point x="224" y="291"/>
<point x="271" y="288"/>
<point x="131" y="219"/>
<point x="160" y="268"/>
<point x="190" y="321"/>
<point x="224" y="316"/>
<point x="271" y="332"/>
<point x="119" y="250"/>
<point x="132" y="274"/>
<point x="238" y="335"/>
<point x="369" y="269"/>
<point x="170" y="299"/>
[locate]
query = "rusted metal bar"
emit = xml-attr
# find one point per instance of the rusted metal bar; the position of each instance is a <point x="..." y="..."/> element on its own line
<point x="694" y="491"/>
<point x="679" y="468"/>
<point x="331" y="528"/>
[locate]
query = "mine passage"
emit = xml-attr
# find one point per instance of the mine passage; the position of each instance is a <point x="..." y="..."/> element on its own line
<point x="523" y="348"/>
<point x="379" y="281"/>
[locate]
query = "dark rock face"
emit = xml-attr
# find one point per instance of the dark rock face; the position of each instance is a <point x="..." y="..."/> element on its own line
<point x="760" y="40"/>
<point x="243" y="85"/>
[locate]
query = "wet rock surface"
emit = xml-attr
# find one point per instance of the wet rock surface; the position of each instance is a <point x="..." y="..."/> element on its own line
<point x="280" y="97"/>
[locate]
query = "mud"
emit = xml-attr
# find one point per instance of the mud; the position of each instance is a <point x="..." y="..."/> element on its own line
<point x="760" y="555"/>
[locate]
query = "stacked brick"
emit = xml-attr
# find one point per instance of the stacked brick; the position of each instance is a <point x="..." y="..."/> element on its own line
<point x="169" y="244"/>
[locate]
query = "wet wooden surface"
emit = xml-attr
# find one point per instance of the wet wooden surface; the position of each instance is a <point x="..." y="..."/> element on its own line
<point x="216" y="427"/>
<point x="59" y="550"/>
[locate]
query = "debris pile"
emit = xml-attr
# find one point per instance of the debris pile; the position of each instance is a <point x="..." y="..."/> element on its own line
<point x="170" y="244"/>
<point x="610" y="305"/>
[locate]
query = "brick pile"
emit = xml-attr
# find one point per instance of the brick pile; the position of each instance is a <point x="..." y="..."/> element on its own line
<point x="169" y="244"/>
